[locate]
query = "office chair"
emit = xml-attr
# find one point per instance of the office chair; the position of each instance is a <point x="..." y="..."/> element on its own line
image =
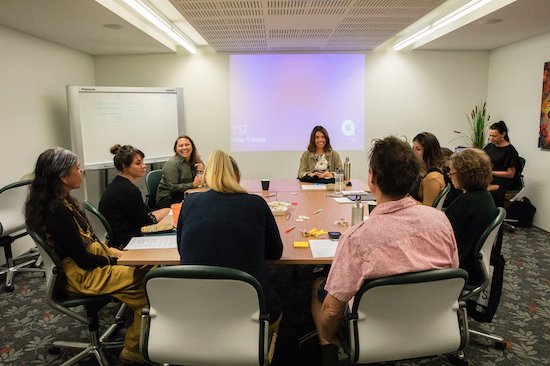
<point x="408" y="316"/>
<point x="12" y="227"/>
<point x="108" y="230"/>
<point x="515" y="193"/>
<point x="215" y="316"/>
<point x="152" y="181"/>
<point x="440" y="199"/>
<point x="58" y="299"/>
<point x="482" y="258"/>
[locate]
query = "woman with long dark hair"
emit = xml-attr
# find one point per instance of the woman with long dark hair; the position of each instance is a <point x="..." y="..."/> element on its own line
<point x="320" y="160"/>
<point x="505" y="160"/>
<point x="431" y="179"/>
<point x="180" y="173"/>
<point x="122" y="203"/>
<point x="89" y="265"/>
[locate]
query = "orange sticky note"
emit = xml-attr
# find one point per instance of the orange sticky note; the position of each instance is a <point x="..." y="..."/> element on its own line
<point x="301" y="244"/>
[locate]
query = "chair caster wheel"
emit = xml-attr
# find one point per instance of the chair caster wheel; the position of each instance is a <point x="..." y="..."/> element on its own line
<point x="10" y="288"/>
<point x="54" y="350"/>
<point x="500" y="345"/>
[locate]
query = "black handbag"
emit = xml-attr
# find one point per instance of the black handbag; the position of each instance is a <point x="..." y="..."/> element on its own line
<point x="521" y="211"/>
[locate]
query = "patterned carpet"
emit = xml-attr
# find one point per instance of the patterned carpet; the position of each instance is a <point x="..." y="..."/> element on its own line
<point x="28" y="326"/>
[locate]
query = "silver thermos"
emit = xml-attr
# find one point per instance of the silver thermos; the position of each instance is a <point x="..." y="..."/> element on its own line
<point x="357" y="211"/>
<point x="347" y="169"/>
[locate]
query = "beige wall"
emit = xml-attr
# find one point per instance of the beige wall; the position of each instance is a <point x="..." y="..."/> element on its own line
<point x="33" y="103"/>
<point x="515" y="88"/>
<point x="406" y="93"/>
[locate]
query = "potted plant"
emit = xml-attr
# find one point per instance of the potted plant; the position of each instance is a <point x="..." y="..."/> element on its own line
<point x="478" y="123"/>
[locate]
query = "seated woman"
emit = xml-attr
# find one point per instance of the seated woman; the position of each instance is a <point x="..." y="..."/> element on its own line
<point x="228" y="227"/>
<point x="471" y="212"/>
<point x="89" y="265"/>
<point x="180" y="173"/>
<point x="319" y="160"/>
<point x="121" y="203"/>
<point x="431" y="179"/>
<point x="504" y="158"/>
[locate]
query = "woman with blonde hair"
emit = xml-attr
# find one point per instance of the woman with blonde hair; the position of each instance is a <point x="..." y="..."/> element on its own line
<point x="470" y="213"/>
<point x="228" y="227"/>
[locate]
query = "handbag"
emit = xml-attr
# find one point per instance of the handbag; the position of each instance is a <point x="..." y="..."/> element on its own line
<point x="522" y="212"/>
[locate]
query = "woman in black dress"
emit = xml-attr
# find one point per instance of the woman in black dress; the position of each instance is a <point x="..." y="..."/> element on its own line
<point x="504" y="158"/>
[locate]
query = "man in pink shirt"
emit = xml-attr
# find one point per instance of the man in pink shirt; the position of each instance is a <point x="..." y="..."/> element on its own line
<point x="399" y="237"/>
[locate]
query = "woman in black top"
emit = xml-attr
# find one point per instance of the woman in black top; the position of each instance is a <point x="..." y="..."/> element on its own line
<point x="121" y="203"/>
<point x="90" y="266"/>
<point x="471" y="212"/>
<point x="228" y="227"/>
<point x="431" y="179"/>
<point x="504" y="158"/>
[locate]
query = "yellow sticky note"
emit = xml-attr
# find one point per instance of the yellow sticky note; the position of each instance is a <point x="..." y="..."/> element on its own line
<point x="301" y="244"/>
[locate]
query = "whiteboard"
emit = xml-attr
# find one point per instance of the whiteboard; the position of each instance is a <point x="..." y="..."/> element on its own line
<point x="150" y="119"/>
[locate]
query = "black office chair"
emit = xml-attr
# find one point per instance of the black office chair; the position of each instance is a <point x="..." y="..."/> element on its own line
<point x="108" y="230"/>
<point x="152" y="181"/>
<point x="12" y="227"/>
<point x="515" y="192"/>
<point x="409" y="316"/>
<point x="58" y="299"/>
<point x="215" y="316"/>
<point x="482" y="259"/>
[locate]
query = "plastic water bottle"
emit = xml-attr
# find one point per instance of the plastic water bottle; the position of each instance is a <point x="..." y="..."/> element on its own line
<point x="347" y="169"/>
<point x="357" y="211"/>
<point x="338" y="180"/>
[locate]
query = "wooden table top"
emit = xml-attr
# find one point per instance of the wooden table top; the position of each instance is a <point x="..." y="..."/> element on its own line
<point x="307" y="203"/>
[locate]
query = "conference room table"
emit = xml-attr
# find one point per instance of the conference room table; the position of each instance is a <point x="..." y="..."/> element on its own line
<point x="307" y="202"/>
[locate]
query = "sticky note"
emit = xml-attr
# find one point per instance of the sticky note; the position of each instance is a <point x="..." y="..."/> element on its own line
<point x="301" y="244"/>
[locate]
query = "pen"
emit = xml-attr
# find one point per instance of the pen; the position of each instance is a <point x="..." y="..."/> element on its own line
<point x="288" y="230"/>
<point x="319" y="210"/>
<point x="270" y="195"/>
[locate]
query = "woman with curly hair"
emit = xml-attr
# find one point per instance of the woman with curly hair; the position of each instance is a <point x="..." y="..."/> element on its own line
<point x="470" y="213"/>
<point x="89" y="265"/>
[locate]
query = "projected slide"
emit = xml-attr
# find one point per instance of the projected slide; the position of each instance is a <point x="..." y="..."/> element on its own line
<point x="276" y="100"/>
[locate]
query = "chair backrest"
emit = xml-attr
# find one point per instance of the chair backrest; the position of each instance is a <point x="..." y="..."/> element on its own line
<point x="482" y="254"/>
<point x="408" y="316"/>
<point x="152" y="181"/>
<point x="518" y="184"/>
<point x="440" y="199"/>
<point x="12" y="202"/>
<point x="214" y="316"/>
<point x="88" y="206"/>
<point x="55" y="279"/>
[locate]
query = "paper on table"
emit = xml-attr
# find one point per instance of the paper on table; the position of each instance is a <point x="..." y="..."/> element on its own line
<point x="314" y="187"/>
<point x="153" y="242"/>
<point x="323" y="248"/>
<point x="343" y="200"/>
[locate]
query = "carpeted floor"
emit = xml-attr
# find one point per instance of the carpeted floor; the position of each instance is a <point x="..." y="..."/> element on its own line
<point x="28" y="325"/>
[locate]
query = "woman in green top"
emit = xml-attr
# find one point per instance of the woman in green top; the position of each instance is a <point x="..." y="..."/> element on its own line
<point x="180" y="173"/>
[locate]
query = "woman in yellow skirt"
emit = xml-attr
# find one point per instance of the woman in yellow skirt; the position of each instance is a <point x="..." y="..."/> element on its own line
<point x="90" y="266"/>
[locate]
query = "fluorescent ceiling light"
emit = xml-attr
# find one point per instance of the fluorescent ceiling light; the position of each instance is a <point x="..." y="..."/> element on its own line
<point x="440" y="23"/>
<point x="163" y="24"/>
